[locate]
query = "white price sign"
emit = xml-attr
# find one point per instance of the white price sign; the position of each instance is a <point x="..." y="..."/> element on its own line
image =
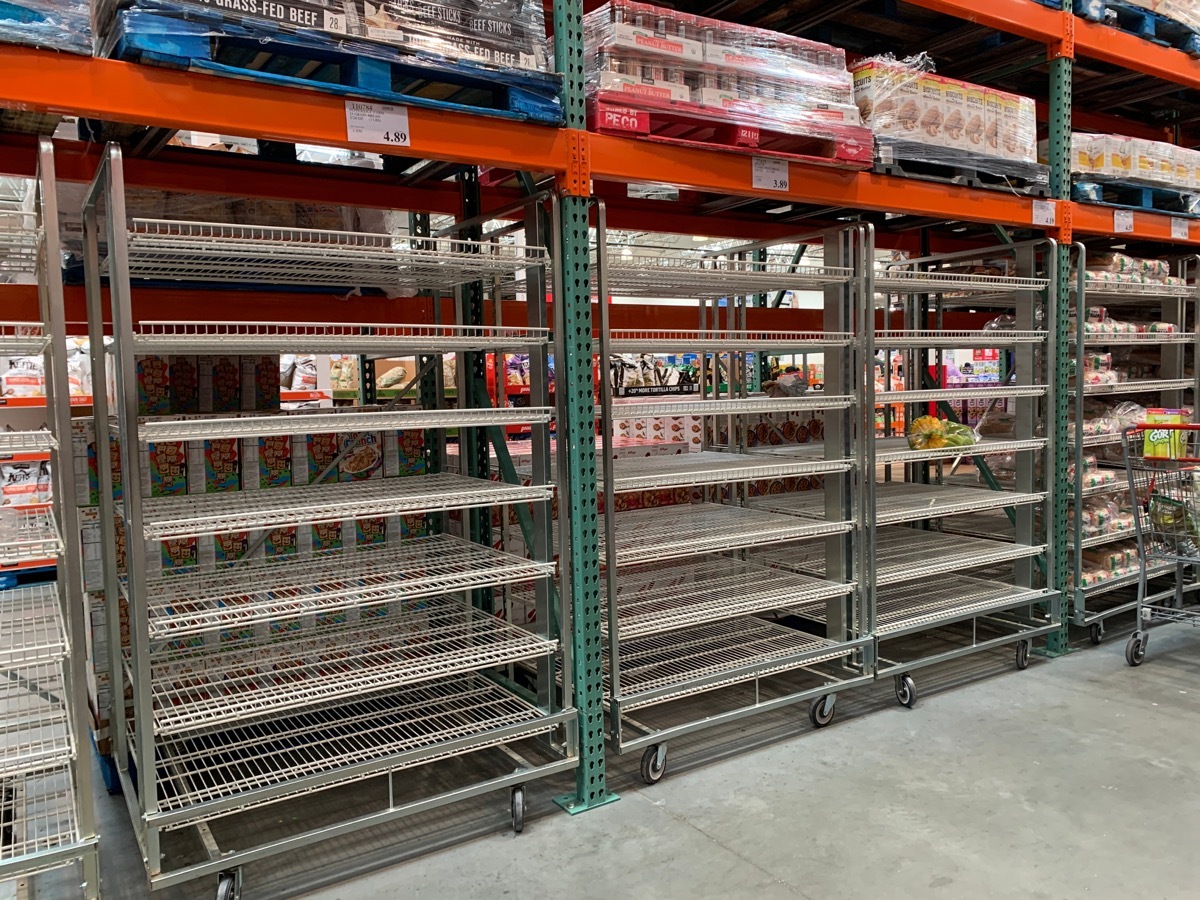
<point x="1180" y="230"/>
<point x="1122" y="220"/>
<point x="377" y="123"/>
<point x="1044" y="213"/>
<point x="334" y="21"/>
<point x="768" y="174"/>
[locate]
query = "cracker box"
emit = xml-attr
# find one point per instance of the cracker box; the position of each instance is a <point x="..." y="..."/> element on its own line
<point x="153" y="385"/>
<point x="993" y="118"/>
<point x="220" y="384"/>
<point x="184" y="384"/>
<point x="931" y="101"/>
<point x="976" y="128"/>
<point x="1118" y="156"/>
<point x="875" y="95"/>
<point x="954" y="102"/>
<point x="260" y="383"/>
<point x="214" y="466"/>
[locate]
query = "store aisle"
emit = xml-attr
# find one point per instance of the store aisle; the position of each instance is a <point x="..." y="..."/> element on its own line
<point x="1058" y="782"/>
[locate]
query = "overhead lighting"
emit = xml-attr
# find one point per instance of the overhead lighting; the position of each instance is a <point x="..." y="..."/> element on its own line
<point x="700" y="239"/>
<point x="779" y="210"/>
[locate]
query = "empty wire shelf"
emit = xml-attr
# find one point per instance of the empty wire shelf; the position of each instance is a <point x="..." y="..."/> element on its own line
<point x="688" y="529"/>
<point x="712" y="467"/>
<point x="18" y="246"/>
<point x="422" y="641"/>
<point x="657" y="599"/>
<point x="961" y="393"/>
<point x="907" y="281"/>
<point x="669" y="666"/>
<point x="38" y="811"/>
<point x="896" y="450"/>
<point x="1141" y="338"/>
<point x="22" y="338"/>
<point x="901" y="608"/>
<point x="282" y="590"/>
<point x="1139" y="387"/>
<point x="169" y="517"/>
<point x="37" y="539"/>
<point x="698" y="277"/>
<point x="216" y="252"/>
<point x="736" y="406"/>
<point x="34" y="728"/>
<point x="902" y="501"/>
<point x="1108" y="537"/>
<point x="31" y="625"/>
<point x="630" y="340"/>
<point x="1116" y="291"/>
<point x="323" y="423"/>
<point x="329" y="337"/>
<point x="430" y="721"/>
<point x="954" y="340"/>
<point x="26" y="442"/>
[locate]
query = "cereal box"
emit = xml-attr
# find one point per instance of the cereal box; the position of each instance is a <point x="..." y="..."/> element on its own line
<point x="165" y="469"/>
<point x="214" y="466"/>
<point x="154" y="396"/>
<point x="312" y="455"/>
<point x="364" y="460"/>
<point x="178" y="553"/>
<point x="260" y="383"/>
<point x="220" y="384"/>
<point x="185" y="384"/>
<point x="86" y="462"/>
<point x="370" y="532"/>
<point x="267" y="462"/>
<point x="319" y="538"/>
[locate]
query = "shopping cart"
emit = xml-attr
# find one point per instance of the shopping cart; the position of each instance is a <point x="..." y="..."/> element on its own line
<point x="1163" y="464"/>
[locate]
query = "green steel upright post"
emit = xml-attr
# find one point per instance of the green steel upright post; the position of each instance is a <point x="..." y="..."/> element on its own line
<point x="579" y="518"/>
<point x="1061" y="66"/>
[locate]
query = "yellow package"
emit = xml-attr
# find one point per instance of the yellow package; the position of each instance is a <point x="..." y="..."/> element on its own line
<point x="1164" y="443"/>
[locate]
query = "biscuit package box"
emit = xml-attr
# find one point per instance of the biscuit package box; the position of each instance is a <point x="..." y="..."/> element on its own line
<point x="1118" y="159"/>
<point x="918" y="114"/>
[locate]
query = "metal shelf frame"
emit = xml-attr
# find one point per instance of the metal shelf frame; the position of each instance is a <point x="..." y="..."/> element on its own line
<point x="47" y="802"/>
<point x="668" y="644"/>
<point x="251" y="656"/>
<point x="1176" y="304"/>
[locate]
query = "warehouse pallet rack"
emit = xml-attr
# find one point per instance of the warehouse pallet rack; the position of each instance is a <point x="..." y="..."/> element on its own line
<point x="45" y="773"/>
<point x="687" y="609"/>
<point x="1175" y="304"/>
<point x="261" y="682"/>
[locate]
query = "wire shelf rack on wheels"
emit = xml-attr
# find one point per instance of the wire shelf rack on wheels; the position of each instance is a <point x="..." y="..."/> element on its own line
<point x="1163" y="465"/>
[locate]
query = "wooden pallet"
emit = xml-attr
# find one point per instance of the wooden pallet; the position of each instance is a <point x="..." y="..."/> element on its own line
<point x="181" y="36"/>
<point x="1136" y="197"/>
<point x="842" y="146"/>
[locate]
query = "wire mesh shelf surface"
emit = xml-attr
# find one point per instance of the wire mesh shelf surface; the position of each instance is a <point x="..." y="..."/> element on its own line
<point x="900" y="501"/>
<point x="422" y="641"/>
<point x="169" y="517"/>
<point x="1117" y="486"/>
<point x="1140" y="338"/>
<point x="895" y="450"/>
<point x="712" y="467"/>
<point x="215" y="252"/>
<point x="155" y="430"/>
<point x="36" y="539"/>
<point x="1140" y="386"/>
<point x="722" y="340"/>
<point x="657" y="599"/>
<point x="35" y="731"/>
<point x="31" y="625"/>
<point x="1099" y="440"/>
<point x="329" y="337"/>
<point x="711" y="656"/>
<point x="955" y="340"/>
<point x="26" y="442"/>
<point x="899" y="607"/>
<point x="699" y="277"/>
<point x="669" y="532"/>
<point x="907" y="281"/>
<point x="1153" y="570"/>
<point x="218" y="764"/>
<point x="758" y="404"/>
<point x="287" y="590"/>
<point x="961" y="393"/>
<point x="1112" y="291"/>
<point x="1107" y="537"/>
<point x="22" y="338"/>
<point x="38" y="811"/>
<point x="18" y="245"/>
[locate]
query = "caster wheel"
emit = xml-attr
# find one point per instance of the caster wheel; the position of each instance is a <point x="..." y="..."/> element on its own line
<point x="820" y="713"/>
<point x="1096" y="632"/>
<point x="906" y="691"/>
<point x="1022" y="654"/>
<point x="229" y="885"/>
<point x="1135" y="650"/>
<point x="518" y="809"/>
<point x="653" y="768"/>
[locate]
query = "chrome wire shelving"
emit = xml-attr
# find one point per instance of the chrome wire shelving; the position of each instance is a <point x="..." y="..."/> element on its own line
<point x="338" y="625"/>
<point x="686" y="617"/>
<point x="45" y="779"/>
<point x="1170" y="345"/>
<point x="919" y="584"/>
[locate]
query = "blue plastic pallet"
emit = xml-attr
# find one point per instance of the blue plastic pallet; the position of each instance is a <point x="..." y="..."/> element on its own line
<point x="200" y="40"/>
<point x="1092" y="10"/>
<point x="1144" y="23"/>
<point x="1137" y="197"/>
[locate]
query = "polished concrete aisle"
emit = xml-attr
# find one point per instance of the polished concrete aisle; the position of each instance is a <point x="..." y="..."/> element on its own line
<point x="1079" y="777"/>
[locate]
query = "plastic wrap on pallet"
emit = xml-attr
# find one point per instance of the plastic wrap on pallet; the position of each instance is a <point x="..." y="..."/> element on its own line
<point x="913" y="110"/>
<point x="504" y="34"/>
<point x="1116" y="159"/>
<point x="646" y="57"/>
<point x="1185" y="12"/>
<point x="53" y="24"/>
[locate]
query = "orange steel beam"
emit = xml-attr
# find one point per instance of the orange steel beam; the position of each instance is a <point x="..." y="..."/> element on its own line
<point x="43" y="81"/>
<point x="1019" y="17"/>
<point x="1131" y="52"/>
<point x="624" y="159"/>
<point x="1147" y="226"/>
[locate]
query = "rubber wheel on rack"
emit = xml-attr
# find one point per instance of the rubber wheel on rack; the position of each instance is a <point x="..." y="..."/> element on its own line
<point x="1135" y="650"/>
<point x="518" y="809"/>
<point x="906" y="691"/>
<point x="1022" y="654"/>
<point x="229" y="885"/>
<point x="652" y="769"/>
<point x="1096" y="632"/>
<point x="818" y="714"/>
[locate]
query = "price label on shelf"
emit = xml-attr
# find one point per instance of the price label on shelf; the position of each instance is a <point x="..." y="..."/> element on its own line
<point x="1180" y="230"/>
<point x="1044" y="213"/>
<point x="334" y="21"/>
<point x="769" y="174"/>
<point x="1122" y="220"/>
<point x="377" y="123"/>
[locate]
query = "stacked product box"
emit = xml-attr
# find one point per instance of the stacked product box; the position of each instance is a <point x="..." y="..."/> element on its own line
<point x="920" y="116"/>
<point x="54" y="24"/>
<point x="643" y="59"/>
<point x="1115" y="159"/>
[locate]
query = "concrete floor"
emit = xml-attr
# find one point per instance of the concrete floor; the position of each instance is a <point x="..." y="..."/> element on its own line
<point x="1076" y="778"/>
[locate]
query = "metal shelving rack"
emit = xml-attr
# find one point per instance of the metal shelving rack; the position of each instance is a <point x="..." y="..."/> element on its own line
<point x="903" y="519"/>
<point x="343" y="667"/>
<point x="1178" y="305"/>
<point x="45" y="772"/>
<point x="687" y="609"/>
